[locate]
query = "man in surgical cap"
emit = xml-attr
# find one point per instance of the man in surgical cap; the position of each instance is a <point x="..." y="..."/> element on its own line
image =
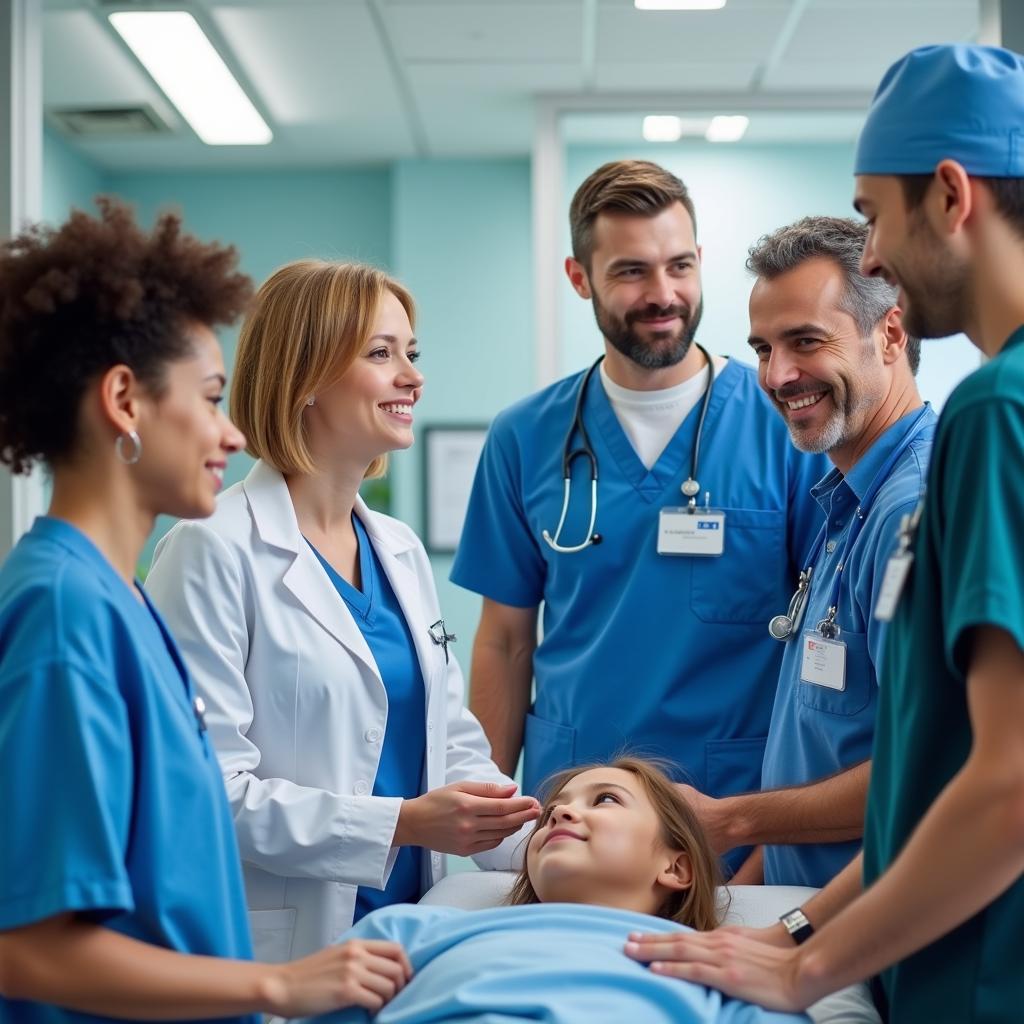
<point x="935" y="906"/>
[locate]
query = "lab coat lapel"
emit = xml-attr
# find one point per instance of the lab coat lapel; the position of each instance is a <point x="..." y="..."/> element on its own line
<point x="391" y="548"/>
<point x="274" y="518"/>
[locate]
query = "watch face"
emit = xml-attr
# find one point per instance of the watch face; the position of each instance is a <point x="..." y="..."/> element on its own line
<point x="796" y="923"/>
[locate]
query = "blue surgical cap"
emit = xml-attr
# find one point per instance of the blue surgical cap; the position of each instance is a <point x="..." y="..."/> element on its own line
<point x="962" y="103"/>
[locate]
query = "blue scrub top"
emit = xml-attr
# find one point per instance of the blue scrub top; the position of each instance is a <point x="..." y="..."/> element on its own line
<point x="817" y="731"/>
<point x="557" y="962"/>
<point x="114" y="806"/>
<point x="659" y="655"/>
<point x="381" y="620"/>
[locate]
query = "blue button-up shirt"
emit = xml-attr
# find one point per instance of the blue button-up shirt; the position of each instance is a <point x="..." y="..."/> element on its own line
<point x="817" y="731"/>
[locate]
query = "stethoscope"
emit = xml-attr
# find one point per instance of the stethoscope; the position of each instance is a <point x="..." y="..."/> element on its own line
<point x="690" y="486"/>
<point x="782" y="627"/>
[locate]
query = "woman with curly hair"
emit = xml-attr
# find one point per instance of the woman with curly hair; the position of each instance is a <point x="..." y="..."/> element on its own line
<point x="120" y="888"/>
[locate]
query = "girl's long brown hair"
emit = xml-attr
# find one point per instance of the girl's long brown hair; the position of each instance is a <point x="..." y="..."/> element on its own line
<point x="698" y="906"/>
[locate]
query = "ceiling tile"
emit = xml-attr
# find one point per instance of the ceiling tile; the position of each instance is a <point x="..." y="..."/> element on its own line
<point x="678" y="75"/>
<point x="738" y="32"/>
<point x="527" y="31"/>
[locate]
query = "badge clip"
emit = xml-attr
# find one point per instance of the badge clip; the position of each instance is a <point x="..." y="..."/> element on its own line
<point x="440" y="635"/>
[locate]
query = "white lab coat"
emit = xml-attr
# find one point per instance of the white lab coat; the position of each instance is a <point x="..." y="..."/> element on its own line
<point x="296" y="707"/>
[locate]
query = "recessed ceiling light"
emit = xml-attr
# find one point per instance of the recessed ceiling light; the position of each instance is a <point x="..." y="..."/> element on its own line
<point x="669" y="128"/>
<point x="183" y="62"/>
<point x="678" y="5"/>
<point x="662" y="128"/>
<point x="727" y="128"/>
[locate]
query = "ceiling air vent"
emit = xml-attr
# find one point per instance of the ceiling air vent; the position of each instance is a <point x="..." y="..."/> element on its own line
<point x="110" y="122"/>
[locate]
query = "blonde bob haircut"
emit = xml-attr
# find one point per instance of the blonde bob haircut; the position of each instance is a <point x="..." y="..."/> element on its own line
<point x="305" y="328"/>
<point x="697" y="907"/>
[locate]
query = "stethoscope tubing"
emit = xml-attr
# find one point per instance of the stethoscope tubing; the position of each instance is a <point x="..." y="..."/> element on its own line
<point x="586" y="451"/>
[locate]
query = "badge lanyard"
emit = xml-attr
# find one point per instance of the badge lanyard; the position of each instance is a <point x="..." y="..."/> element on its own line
<point x="827" y="627"/>
<point x="898" y="569"/>
<point x="824" y="654"/>
<point x="689" y="530"/>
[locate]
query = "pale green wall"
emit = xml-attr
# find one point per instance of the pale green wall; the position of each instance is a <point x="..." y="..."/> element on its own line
<point x="272" y="218"/>
<point x="462" y="243"/>
<point x="69" y="179"/>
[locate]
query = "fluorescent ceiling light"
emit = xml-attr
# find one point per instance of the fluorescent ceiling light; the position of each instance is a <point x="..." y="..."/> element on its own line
<point x="183" y="62"/>
<point x="678" y="5"/>
<point x="727" y="129"/>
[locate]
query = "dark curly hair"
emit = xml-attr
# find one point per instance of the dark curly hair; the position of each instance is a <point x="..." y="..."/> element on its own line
<point x="78" y="299"/>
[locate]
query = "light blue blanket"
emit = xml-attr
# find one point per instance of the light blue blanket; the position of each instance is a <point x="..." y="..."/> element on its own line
<point x="559" y="963"/>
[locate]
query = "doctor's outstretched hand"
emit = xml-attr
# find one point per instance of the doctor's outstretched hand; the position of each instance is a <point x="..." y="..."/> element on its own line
<point x="360" y="972"/>
<point x="741" y="962"/>
<point x="464" y="818"/>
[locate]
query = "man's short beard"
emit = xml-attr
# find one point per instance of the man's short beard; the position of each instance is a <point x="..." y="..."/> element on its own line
<point x="650" y="355"/>
<point x="938" y="299"/>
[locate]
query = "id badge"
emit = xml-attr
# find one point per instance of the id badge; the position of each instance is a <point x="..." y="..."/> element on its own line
<point x="896" y="572"/>
<point x="685" y="532"/>
<point x="824" y="662"/>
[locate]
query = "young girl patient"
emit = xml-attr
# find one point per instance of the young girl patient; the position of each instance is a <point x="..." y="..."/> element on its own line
<point x="614" y="851"/>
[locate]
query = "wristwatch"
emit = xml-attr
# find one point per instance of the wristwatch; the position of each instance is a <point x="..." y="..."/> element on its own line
<point x="796" y="923"/>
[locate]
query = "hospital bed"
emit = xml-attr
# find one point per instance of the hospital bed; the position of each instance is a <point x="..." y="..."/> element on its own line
<point x="751" y="905"/>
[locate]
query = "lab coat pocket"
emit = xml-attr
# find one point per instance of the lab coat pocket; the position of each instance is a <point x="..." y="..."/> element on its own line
<point x="734" y="766"/>
<point x="547" y="747"/>
<point x="746" y="582"/>
<point x="859" y="683"/>
<point x="272" y="932"/>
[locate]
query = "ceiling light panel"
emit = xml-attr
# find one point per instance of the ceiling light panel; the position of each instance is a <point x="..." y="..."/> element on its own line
<point x="183" y="62"/>
<point x="727" y="128"/>
<point x="678" y="5"/>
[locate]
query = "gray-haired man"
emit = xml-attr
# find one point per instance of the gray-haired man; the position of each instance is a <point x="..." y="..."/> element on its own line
<point x="837" y="364"/>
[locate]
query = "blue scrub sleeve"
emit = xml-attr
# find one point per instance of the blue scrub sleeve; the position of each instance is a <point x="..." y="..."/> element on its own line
<point x="980" y="462"/>
<point x="66" y="750"/>
<point x="498" y="555"/>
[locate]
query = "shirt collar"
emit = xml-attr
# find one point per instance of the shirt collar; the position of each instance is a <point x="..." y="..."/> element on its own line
<point x="862" y="474"/>
<point x="72" y="539"/>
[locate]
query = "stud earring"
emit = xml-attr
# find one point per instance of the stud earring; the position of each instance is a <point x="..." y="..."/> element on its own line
<point x="311" y="400"/>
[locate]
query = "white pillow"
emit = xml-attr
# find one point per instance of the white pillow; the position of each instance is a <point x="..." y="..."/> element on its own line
<point x="752" y="905"/>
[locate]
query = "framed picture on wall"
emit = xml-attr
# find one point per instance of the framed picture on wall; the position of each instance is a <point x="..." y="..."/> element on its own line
<point x="450" y="455"/>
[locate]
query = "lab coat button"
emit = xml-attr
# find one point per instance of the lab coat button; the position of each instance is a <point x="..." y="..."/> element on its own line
<point x="361" y="788"/>
<point x="430" y="726"/>
<point x="373" y="735"/>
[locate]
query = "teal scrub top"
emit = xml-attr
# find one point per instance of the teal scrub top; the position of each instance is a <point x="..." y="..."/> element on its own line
<point x="559" y="963"/>
<point x="653" y="654"/>
<point x="114" y="806"/>
<point x="968" y="571"/>
<point x="817" y="731"/>
<point x="379" y="616"/>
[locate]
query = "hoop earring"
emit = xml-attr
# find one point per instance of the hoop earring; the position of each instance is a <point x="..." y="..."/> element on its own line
<point x="311" y="400"/>
<point x="136" y="452"/>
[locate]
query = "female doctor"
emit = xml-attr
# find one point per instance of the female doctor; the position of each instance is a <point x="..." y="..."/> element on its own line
<point x="311" y="626"/>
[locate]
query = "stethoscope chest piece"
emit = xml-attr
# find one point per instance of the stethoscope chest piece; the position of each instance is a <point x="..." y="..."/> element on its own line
<point x="780" y="627"/>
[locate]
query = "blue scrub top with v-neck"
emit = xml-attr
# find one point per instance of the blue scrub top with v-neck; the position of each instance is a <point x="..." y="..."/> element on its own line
<point x="660" y="655"/>
<point x="104" y="762"/>
<point x="382" y="622"/>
